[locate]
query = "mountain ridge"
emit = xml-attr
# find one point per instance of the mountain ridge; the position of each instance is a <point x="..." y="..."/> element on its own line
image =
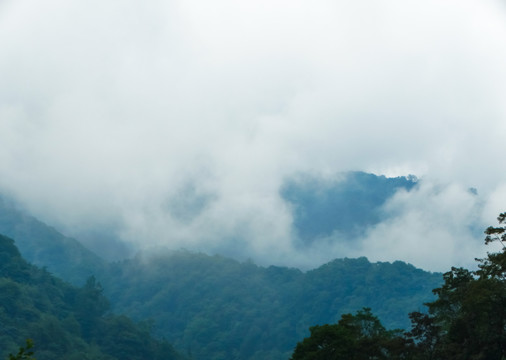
<point x="217" y="307"/>
<point x="65" y="322"/>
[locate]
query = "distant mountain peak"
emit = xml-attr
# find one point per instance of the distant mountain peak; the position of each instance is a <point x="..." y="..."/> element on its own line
<point x="340" y="207"/>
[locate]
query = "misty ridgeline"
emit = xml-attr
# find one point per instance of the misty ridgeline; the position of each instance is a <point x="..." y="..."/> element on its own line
<point x="183" y="304"/>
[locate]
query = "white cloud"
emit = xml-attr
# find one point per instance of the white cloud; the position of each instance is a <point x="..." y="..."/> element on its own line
<point x="433" y="227"/>
<point x="108" y="109"/>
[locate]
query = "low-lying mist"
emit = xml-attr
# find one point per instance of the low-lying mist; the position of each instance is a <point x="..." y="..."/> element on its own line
<point x="312" y="220"/>
<point x="179" y="123"/>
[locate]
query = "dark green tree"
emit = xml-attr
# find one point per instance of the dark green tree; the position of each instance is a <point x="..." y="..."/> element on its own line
<point x="466" y="321"/>
<point x="468" y="318"/>
<point x="24" y="353"/>
<point x="354" y="337"/>
<point x="65" y="322"/>
<point x="90" y="305"/>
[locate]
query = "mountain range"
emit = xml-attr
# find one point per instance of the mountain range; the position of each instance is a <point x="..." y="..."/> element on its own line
<point x="214" y="307"/>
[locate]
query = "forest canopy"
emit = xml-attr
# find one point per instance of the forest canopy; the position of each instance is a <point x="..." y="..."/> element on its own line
<point x="62" y="321"/>
<point x="467" y="320"/>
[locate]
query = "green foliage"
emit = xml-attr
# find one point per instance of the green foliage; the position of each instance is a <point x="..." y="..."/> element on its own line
<point x="43" y="246"/>
<point x="24" y="353"/>
<point x="354" y="337"/>
<point x="65" y="322"/>
<point x="467" y="320"/>
<point x="218" y="308"/>
<point x="209" y="306"/>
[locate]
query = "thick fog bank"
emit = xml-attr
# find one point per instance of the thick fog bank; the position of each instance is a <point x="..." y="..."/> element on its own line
<point x="178" y="123"/>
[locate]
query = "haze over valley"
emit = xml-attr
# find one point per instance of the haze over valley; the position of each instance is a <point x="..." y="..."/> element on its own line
<point x="240" y="171"/>
<point x="177" y="123"/>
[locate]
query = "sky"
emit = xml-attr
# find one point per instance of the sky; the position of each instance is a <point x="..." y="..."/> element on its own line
<point x="174" y="123"/>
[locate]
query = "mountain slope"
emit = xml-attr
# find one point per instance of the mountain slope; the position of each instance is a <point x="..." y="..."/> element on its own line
<point x="44" y="246"/>
<point x="214" y="307"/>
<point x="218" y="308"/>
<point x="65" y="322"/>
<point x="345" y="205"/>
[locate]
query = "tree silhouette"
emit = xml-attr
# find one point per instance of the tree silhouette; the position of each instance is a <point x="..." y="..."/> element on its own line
<point x="24" y="353"/>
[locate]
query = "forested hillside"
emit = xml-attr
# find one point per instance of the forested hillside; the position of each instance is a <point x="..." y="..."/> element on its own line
<point x="212" y="307"/>
<point x="219" y="308"/>
<point x="65" y="322"/>
<point x="467" y="320"/>
<point x="44" y="246"/>
<point x="344" y="205"/>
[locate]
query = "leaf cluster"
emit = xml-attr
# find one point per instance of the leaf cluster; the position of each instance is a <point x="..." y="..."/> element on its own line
<point x="24" y="353"/>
